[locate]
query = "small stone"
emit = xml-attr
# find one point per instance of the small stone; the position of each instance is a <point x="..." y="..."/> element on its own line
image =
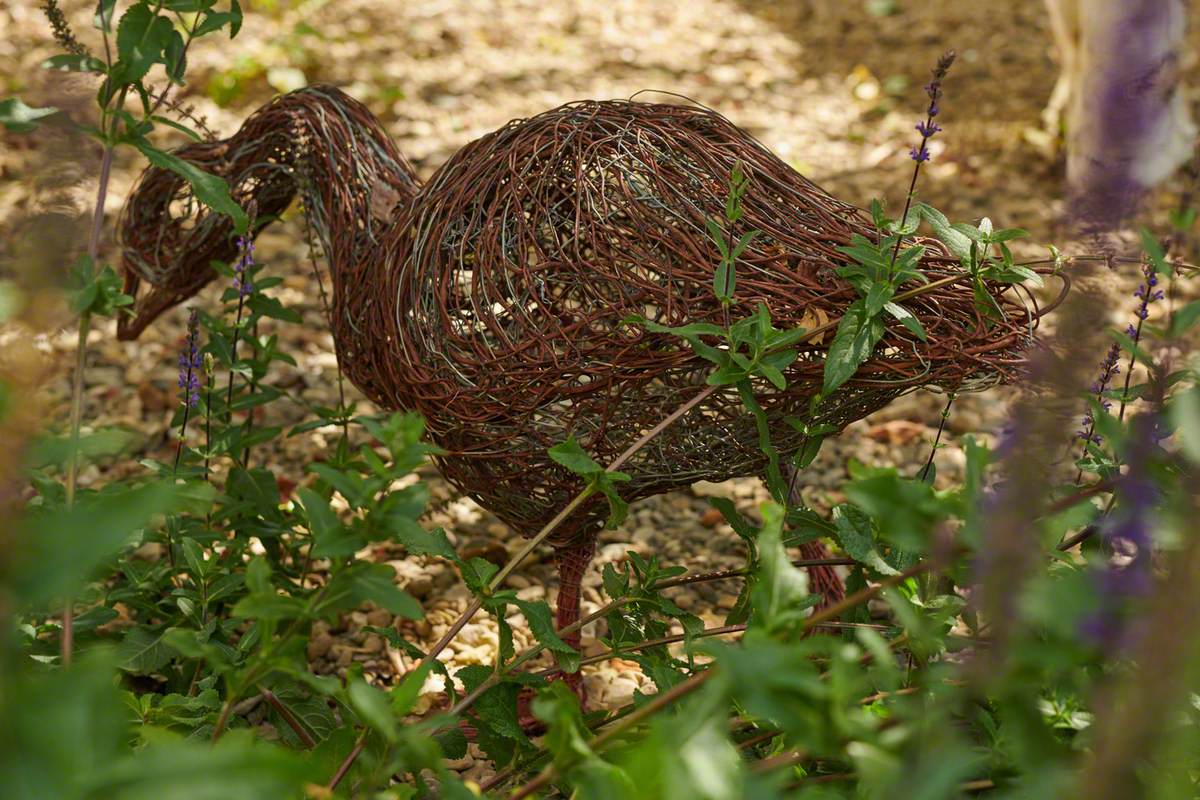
<point x="726" y="601"/>
<point x="724" y="489"/>
<point x="532" y="593"/>
<point x="373" y="643"/>
<point x="645" y="534"/>
<point x="319" y="645"/>
<point x="342" y="654"/>
<point x="412" y="578"/>
<point x="620" y="691"/>
<point x="685" y="600"/>
<point x="519" y="581"/>
<point x="380" y="618"/>
<point x="460" y="764"/>
<point x="711" y="518"/>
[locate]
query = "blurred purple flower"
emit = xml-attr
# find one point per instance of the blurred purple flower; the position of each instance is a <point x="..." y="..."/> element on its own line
<point x="1108" y="369"/>
<point x="1126" y="532"/>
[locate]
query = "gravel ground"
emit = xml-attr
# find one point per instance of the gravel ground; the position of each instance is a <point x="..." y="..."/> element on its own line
<point x="832" y="87"/>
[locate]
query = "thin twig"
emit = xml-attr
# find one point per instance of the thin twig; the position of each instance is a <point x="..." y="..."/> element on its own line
<point x="289" y="718"/>
<point x="359" y="746"/>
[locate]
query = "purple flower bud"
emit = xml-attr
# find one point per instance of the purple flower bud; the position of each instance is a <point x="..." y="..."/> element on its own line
<point x="928" y="129"/>
<point x="919" y="154"/>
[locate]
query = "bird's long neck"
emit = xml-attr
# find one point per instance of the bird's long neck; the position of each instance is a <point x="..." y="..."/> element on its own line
<point x="356" y="186"/>
<point x="316" y="142"/>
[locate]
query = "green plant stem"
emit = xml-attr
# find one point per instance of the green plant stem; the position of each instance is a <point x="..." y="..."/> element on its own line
<point x="359" y="745"/>
<point x="289" y="718"/>
<point x="67" y="640"/>
<point x="938" y="438"/>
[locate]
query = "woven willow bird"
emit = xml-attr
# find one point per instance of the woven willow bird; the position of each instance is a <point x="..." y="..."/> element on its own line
<point x="491" y="298"/>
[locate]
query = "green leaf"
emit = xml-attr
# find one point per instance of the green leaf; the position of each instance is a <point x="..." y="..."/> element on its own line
<point x="855" y="534"/>
<point x="852" y="344"/>
<point x="373" y="707"/>
<point x="1008" y="234"/>
<point x="268" y="606"/>
<point x="63" y="547"/>
<point x="541" y="624"/>
<point x="570" y="455"/>
<point x="905" y="510"/>
<point x="175" y="57"/>
<point x="418" y="541"/>
<point x="958" y="243"/>
<point x="331" y="539"/>
<point x="239" y="767"/>
<point x="743" y="243"/>
<point x="70" y="62"/>
<point x="907" y="319"/>
<point x="376" y="583"/>
<point x="618" y="509"/>
<point x="780" y="593"/>
<point x="142" y="36"/>
<point x="1184" y="319"/>
<point x="143" y="652"/>
<point x="193" y="553"/>
<point x="20" y="118"/>
<point x="210" y="190"/>
<point x="1185" y="414"/>
<point x="878" y="296"/>
<point x="477" y="573"/>
<point x="718" y="236"/>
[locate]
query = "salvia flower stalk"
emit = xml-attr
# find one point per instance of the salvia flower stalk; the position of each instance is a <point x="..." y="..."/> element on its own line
<point x="190" y="364"/>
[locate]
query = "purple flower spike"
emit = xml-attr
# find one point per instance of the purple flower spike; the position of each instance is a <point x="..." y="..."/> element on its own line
<point x="190" y="362"/>
<point x="919" y="154"/>
<point x="245" y="260"/>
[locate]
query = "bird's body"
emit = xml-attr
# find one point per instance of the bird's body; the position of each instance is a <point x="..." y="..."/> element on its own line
<point x="492" y="299"/>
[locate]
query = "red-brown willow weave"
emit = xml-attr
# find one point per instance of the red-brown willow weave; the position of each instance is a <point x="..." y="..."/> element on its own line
<point x="491" y="299"/>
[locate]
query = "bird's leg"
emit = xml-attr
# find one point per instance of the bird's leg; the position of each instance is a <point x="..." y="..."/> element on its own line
<point x="823" y="579"/>
<point x="573" y="560"/>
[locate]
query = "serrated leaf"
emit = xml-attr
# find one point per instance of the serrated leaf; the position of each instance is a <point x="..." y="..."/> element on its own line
<point x="958" y="243"/>
<point x="419" y="541"/>
<point x="142" y="36"/>
<point x="541" y="624"/>
<point x="476" y="573"/>
<point x="570" y="455"/>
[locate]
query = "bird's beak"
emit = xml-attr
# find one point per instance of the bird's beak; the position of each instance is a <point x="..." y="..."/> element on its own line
<point x="149" y="303"/>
